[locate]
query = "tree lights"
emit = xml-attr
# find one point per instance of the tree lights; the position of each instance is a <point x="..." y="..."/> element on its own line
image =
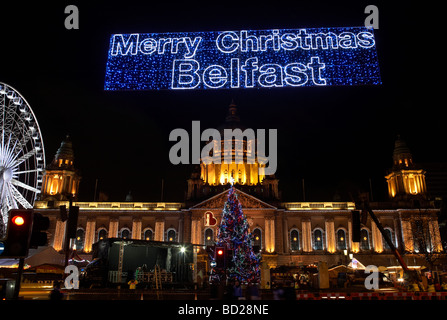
<point x="234" y="236"/>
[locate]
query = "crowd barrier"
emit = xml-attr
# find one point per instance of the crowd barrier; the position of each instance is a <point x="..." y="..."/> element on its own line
<point x="373" y="296"/>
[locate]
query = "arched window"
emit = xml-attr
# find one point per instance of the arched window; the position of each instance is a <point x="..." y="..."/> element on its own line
<point x="125" y="233"/>
<point x="172" y="235"/>
<point x="148" y="235"/>
<point x="318" y="239"/>
<point x="102" y="234"/>
<point x="389" y="234"/>
<point x="80" y="237"/>
<point x="364" y="240"/>
<point x="209" y="237"/>
<point x="294" y="240"/>
<point x="341" y="239"/>
<point x="257" y="240"/>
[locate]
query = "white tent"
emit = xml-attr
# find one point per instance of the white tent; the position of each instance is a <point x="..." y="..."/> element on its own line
<point x="356" y="265"/>
<point x="42" y="255"/>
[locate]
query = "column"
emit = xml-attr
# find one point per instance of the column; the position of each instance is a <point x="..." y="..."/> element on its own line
<point x="306" y="235"/>
<point x="113" y="228"/>
<point x="136" y="229"/>
<point x="330" y="235"/>
<point x="407" y="235"/>
<point x="90" y="230"/>
<point x="59" y="235"/>
<point x="195" y="231"/>
<point x="269" y="234"/>
<point x="377" y="238"/>
<point x="159" y="230"/>
<point x="286" y="235"/>
<point x="435" y="236"/>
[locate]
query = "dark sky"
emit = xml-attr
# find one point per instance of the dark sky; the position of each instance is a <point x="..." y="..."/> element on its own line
<point x="333" y="137"/>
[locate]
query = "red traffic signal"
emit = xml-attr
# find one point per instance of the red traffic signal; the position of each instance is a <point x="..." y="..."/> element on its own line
<point x="18" y="220"/>
<point x="19" y="233"/>
<point x="220" y="258"/>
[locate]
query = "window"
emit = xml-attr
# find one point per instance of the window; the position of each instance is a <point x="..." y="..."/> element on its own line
<point x="172" y="235"/>
<point x="294" y="240"/>
<point x="341" y="239"/>
<point x="148" y="235"/>
<point x="389" y="234"/>
<point x="209" y="237"/>
<point x="125" y="233"/>
<point x="102" y="234"/>
<point x="318" y="239"/>
<point x="257" y="240"/>
<point x="364" y="239"/>
<point x="79" y="242"/>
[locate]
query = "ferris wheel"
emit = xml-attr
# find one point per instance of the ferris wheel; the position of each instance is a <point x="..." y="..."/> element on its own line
<point x="22" y="154"/>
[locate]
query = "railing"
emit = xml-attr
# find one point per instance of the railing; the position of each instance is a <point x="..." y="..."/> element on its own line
<point x="319" y="205"/>
<point x="122" y="206"/>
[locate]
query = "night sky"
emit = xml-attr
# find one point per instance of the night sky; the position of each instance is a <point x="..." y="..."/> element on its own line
<point x="335" y="138"/>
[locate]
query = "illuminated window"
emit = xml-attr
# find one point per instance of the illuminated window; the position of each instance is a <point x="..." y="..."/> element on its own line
<point x="318" y="239"/>
<point x="172" y="235"/>
<point x="79" y="242"/>
<point x="125" y="233"/>
<point x="102" y="234"/>
<point x="341" y="239"/>
<point x="294" y="240"/>
<point x="364" y="239"/>
<point x="148" y="235"/>
<point x="257" y="240"/>
<point x="209" y="237"/>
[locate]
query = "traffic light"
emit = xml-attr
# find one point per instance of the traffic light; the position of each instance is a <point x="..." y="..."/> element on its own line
<point x="219" y="257"/>
<point x="18" y="235"/>
<point x="72" y="221"/>
<point x="38" y="235"/>
<point x="355" y="225"/>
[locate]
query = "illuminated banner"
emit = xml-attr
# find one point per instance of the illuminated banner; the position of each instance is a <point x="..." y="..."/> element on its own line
<point x="242" y="59"/>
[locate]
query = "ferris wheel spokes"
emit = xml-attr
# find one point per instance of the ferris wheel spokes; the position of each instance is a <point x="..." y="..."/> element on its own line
<point x="22" y="154"/>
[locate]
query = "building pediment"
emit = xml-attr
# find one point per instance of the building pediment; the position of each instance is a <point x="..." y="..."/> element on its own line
<point x="247" y="201"/>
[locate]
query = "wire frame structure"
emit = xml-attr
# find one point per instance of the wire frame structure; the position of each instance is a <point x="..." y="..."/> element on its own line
<point x="22" y="154"/>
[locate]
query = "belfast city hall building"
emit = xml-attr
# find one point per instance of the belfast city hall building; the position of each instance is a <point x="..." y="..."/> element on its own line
<point x="286" y="233"/>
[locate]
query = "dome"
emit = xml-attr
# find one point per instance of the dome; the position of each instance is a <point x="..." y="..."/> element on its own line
<point x="64" y="157"/>
<point x="400" y="147"/>
<point x="65" y="151"/>
<point x="402" y="157"/>
<point x="232" y="120"/>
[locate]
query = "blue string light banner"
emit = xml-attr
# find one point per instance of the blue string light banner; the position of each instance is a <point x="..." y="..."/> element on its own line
<point x="242" y="59"/>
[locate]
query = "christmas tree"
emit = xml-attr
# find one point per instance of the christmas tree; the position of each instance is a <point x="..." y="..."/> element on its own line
<point x="234" y="235"/>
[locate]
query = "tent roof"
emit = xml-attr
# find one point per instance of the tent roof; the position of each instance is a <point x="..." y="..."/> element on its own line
<point x="358" y="264"/>
<point x="42" y="255"/>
